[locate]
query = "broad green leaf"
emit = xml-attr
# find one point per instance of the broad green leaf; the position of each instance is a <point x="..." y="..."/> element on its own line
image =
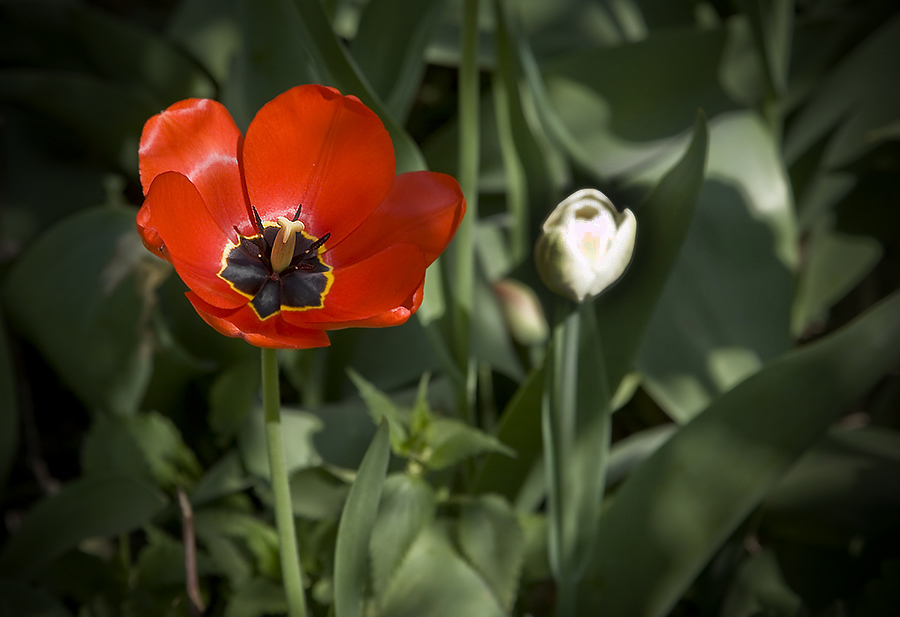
<point x="759" y="588"/>
<point x="664" y="217"/>
<point x="407" y="346"/>
<point x="91" y="506"/>
<point x="434" y="581"/>
<point x="9" y="411"/>
<point x="452" y="441"/>
<point x="835" y="264"/>
<point x="493" y="542"/>
<point x="146" y="445"/>
<point x="673" y="514"/>
<point x="389" y="48"/>
<point x="232" y="396"/>
<point x="519" y="430"/>
<point x="317" y="494"/>
<point x="622" y="106"/>
<point x="225" y="477"/>
<point x="725" y="310"/>
<point x="298" y="427"/>
<point x="210" y="30"/>
<point x="160" y="564"/>
<point x="89" y="316"/>
<point x="407" y="506"/>
<point x="256" y="598"/>
<point x="18" y="599"/>
<point x="491" y="341"/>
<point x="355" y="528"/>
<point x="381" y="406"/>
<point x="628" y="454"/>
<point x="260" y="539"/>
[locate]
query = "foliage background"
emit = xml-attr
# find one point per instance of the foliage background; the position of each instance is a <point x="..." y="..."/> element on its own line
<point x="755" y="459"/>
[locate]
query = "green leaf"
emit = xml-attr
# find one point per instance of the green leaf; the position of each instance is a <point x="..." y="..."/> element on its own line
<point x="90" y="506"/>
<point x="146" y="445"/>
<point x="389" y="48"/>
<point x="452" y="441"/>
<point x="493" y="542"/>
<point x="260" y="539"/>
<point x="381" y="406"/>
<point x="407" y="506"/>
<point x="93" y="322"/>
<point x="520" y="431"/>
<point x="9" y="411"/>
<point x="434" y="581"/>
<point x="298" y="428"/>
<point x="225" y="477"/>
<point x="355" y="527"/>
<point x="317" y="494"/>
<point x="19" y="600"/>
<point x="673" y="514"/>
<point x="232" y="396"/>
<point x="714" y="325"/>
<point x="759" y="588"/>
<point x="210" y="30"/>
<point x="664" y="217"/>
<point x="256" y="598"/>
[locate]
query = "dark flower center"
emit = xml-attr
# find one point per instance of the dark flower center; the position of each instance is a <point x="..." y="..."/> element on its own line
<point x="278" y="268"/>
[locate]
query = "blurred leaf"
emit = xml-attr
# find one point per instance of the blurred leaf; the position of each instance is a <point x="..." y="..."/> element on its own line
<point x="713" y="325"/>
<point x="232" y="396"/>
<point x="346" y="434"/>
<point x="407" y="506"/>
<point x="9" y="406"/>
<point x="407" y="346"/>
<point x="389" y="48"/>
<point x="627" y="454"/>
<point x="493" y="542"/>
<point x="881" y="595"/>
<point x="685" y="500"/>
<point x="622" y="106"/>
<point x="160" y="564"/>
<point x="846" y="486"/>
<point x="835" y="264"/>
<point x="210" y="30"/>
<point x="256" y="598"/>
<point x="355" y="528"/>
<point x="89" y="316"/>
<point x="105" y="116"/>
<point x="434" y="580"/>
<point x="298" y="428"/>
<point x="260" y="539"/>
<point x="19" y="600"/>
<point x="91" y="506"/>
<point x="225" y="477"/>
<point x="146" y="445"/>
<point x="381" y="406"/>
<point x="453" y="441"/>
<point x="317" y="494"/>
<point x="519" y="430"/>
<point x="759" y="588"/>
<point x="491" y="341"/>
<point x="624" y="312"/>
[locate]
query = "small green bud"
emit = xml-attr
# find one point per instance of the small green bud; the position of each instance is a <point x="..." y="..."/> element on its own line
<point x="585" y="245"/>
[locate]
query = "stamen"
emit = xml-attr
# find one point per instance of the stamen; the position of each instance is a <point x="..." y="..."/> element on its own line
<point x="259" y="225"/>
<point x="297" y="216"/>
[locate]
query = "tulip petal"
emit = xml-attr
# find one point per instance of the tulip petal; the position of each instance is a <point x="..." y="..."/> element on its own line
<point x="244" y="323"/>
<point x="393" y="317"/>
<point x="199" y="139"/>
<point x="194" y="241"/>
<point x="368" y="288"/>
<point x="328" y="152"/>
<point x="423" y="208"/>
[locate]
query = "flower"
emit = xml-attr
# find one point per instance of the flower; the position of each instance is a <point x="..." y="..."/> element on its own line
<point x="585" y="245"/>
<point x="298" y="228"/>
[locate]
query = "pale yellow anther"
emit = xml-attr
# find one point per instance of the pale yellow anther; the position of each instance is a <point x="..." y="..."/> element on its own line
<point x="285" y="240"/>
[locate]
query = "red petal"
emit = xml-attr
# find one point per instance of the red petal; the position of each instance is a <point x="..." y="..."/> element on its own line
<point x="393" y="317"/>
<point x="423" y="208"/>
<point x="150" y="235"/>
<point x="314" y="147"/>
<point x="243" y="323"/>
<point x="198" y="138"/>
<point x="194" y="241"/>
<point x="368" y="288"/>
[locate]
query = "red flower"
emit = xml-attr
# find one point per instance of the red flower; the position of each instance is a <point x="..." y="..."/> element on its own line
<point x="299" y="227"/>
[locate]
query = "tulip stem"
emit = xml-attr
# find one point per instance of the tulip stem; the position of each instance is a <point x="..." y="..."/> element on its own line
<point x="284" y="515"/>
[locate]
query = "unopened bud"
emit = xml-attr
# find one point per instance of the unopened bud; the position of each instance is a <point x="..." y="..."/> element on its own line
<point x="522" y="312"/>
<point x="585" y="246"/>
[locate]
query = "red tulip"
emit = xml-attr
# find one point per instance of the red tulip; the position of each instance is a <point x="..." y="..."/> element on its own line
<point x="300" y="227"/>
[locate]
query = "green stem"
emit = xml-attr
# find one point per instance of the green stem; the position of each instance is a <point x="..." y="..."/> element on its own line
<point x="284" y="514"/>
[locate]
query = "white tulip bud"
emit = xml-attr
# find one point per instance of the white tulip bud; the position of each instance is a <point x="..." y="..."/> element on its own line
<point x="522" y="311"/>
<point x="585" y="246"/>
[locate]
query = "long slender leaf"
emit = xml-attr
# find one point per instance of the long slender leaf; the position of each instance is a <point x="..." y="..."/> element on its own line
<point x="355" y="528"/>
<point x="678" y="508"/>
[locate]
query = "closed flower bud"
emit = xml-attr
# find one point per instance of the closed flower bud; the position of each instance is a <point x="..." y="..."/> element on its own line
<point x="522" y="311"/>
<point x="585" y="245"/>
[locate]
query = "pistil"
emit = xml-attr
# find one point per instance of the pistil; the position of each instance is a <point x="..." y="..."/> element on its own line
<point x="285" y="241"/>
